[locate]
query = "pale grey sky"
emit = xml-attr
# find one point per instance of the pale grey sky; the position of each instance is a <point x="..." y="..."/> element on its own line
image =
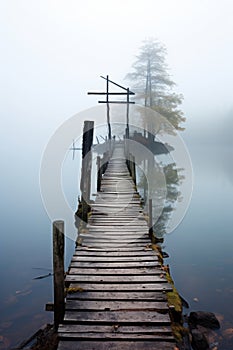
<point x="53" y="52"/>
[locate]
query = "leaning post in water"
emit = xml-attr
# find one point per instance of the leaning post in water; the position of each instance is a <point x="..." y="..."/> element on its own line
<point x="58" y="271"/>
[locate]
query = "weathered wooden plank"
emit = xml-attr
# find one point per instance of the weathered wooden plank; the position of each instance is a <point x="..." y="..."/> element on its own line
<point x="112" y="259"/>
<point x="98" y="215"/>
<point x="124" y="329"/>
<point x="140" y="238"/>
<point x="110" y="229"/>
<point x="122" y="287"/>
<point x="112" y="242"/>
<point x="117" y="208"/>
<point x="122" y="214"/>
<point x="140" y="218"/>
<point x="117" y="204"/>
<point x="122" y="210"/>
<point x="115" y="234"/>
<point x="121" y="300"/>
<point x="117" y="345"/>
<point x="115" y="228"/>
<point x="116" y="279"/>
<point x="90" y="252"/>
<point x="121" y="196"/>
<point x="127" y="192"/>
<point x="114" y="265"/>
<point x="127" y="221"/>
<point x="127" y="248"/>
<point x="101" y="206"/>
<point x="111" y="317"/>
<point x="115" y="240"/>
<point x="130" y="224"/>
<point x="119" y="271"/>
<point x="113" y="187"/>
<point x="116" y="336"/>
<point x="117" y="245"/>
<point x="122" y="217"/>
<point x="126" y="202"/>
<point x="116" y="305"/>
<point x="116" y="295"/>
<point x="115" y="237"/>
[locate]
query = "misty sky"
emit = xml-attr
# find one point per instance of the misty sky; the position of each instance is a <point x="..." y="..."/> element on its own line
<point x="53" y="52"/>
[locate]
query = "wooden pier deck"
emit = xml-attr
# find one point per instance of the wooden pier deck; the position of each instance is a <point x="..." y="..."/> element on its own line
<point x="120" y="300"/>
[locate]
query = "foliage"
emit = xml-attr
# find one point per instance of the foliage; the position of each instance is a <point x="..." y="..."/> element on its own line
<point x="153" y="84"/>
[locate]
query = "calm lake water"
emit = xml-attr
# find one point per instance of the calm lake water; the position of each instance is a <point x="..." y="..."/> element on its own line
<point x="200" y="249"/>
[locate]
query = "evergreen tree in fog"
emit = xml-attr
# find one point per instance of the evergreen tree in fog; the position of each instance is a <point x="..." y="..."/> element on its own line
<point x="153" y="85"/>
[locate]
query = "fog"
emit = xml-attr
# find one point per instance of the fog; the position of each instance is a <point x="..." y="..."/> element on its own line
<point x="53" y="52"/>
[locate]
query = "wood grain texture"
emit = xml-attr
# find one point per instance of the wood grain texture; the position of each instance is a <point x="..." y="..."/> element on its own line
<point x="117" y="289"/>
<point x="117" y="345"/>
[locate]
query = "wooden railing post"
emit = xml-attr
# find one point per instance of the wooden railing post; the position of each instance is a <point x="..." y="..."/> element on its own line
<point x="150" y="212"/>
<point x="85" y="185"/>
<point x="126" y="148"/>
<point x="99" y="173"/>
<point x="58" y="271"/>
<point x="105" y="161"/>
<point x="133" y="165"/>
<point x="129" y="163"/>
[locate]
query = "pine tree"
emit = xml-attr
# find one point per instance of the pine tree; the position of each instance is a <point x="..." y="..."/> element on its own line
<point x="153" y="85"/>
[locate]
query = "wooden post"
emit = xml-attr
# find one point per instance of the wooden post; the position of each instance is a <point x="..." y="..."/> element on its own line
<point x="133" y="169"/>
<point x="150" y="219"/>
<point x="85" y="185"/>
<point x="127" y="149"/>
<point x="108" y="110"/>
<point x="131" y="164"/>
<point x="145" y="180"/>
<point x="58" y="271"/>
<point x="105" y="161"/>
<point x="99" y="173"/>
<point x="127" y="116"/>
<point x="128" y="162"/>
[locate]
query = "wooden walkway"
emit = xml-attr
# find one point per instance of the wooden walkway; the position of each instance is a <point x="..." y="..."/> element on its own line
<point x="120" y="300"/>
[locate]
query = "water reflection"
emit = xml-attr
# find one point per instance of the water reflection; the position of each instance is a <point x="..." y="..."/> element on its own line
<point x="173" y="178"/>
<point x="201" y="247"/>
